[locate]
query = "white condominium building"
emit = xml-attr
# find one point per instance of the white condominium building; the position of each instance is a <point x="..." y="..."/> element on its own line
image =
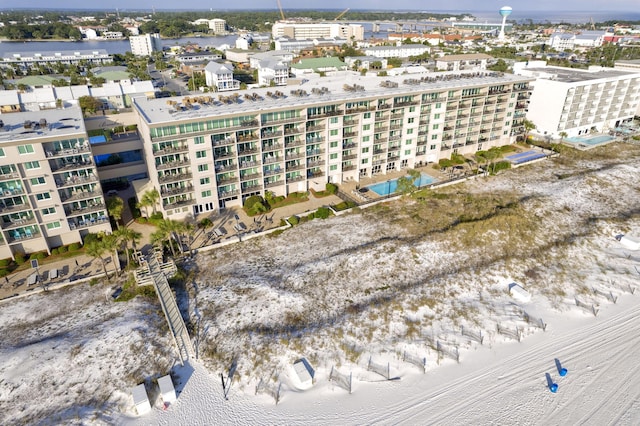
<point x="50" y="194"/>
<point x="206" y="153"/>
<point x="145" y="44"/>
<point x="579" y="102"/>
<point x="310" y="31"/>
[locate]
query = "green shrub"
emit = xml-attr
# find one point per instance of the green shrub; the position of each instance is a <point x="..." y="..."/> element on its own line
<point x="118" y="129"/>
<point x="155" y="218"/>
<point x="255" y="205"/>
<point x="294" y="220"/>
<point x="4" y="263"/>
<point x="444" y="162"/>
<point x="501" y="165"/>
<point x="90" y="238"/>
<point x="135" y="211"/>
<point x="74" y="246"/>
<point x="131" y="127"/>
<point x="141" y="220"/>
<point x="344" y="205"/>
<point x="54" y="251"/>
<point x="41" y="255"/>
<point x="331" y="188"/>
<point x="4" y="273"/>
<point x="62" y="249"/>
<point x="282" y="222"/>
<point x="309" y="217"/>
<point x="21" y="257"/>
<point x="322" y="213"/>
<point x="457" y="158"/>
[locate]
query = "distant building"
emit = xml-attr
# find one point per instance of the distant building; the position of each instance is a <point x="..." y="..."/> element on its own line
<point x="472" y="61"/>
<point x="145" y="44"/>
<point x="218" y="26"/>
<point x="403" y="51"/>
<point x="579" y="101"/>
<point x="220" y="76"/>
<point x="309" y="30"/>
<point x="27" y="60"/>
<point x="365" y="62"/>
<point x="273" y="72"/>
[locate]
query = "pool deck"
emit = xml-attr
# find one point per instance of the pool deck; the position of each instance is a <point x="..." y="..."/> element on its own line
<point x="583" y="146"/>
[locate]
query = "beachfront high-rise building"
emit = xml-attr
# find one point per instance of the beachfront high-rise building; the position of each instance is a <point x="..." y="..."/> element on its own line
<point x="145" y="44"/>
<point x="504" y="12"/>
<point x="579" y="102"/>
<point x="50" y="194"/>
<point x="204" y="153"/>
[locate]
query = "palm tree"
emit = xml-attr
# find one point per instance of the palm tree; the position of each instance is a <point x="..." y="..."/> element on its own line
<point x="166" y="229"/>
<point x="528" y="127"/>
<point x="149" y="199"/>
<point x="126" y="236"/>
<point x="115" y="205"/>
<point x="96" y="250"/>
<point x="110" y="243"/>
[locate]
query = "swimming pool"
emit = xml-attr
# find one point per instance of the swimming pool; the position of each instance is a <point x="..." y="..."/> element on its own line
<point x="390" y="186"/>
<point x="594" y="140"/>
<point x="97" y="139"/>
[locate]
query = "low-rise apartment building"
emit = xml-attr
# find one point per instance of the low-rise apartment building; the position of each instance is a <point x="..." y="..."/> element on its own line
<point x="206" y="153"/>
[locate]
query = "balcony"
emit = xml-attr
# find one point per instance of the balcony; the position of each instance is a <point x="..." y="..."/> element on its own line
<point x="179" y="203"/>
<point x="315" y="128"/>
<point x="294" y="155"/>
<point x="226" y="166"/>
<point x="251" y="188"/>
<point x="228" y="194"/>
<point x="271" y="160"/>
<point x="248" y="164"/>
<point x="171" y="149"/>
<point x="271" y="172"/>
<point x="350" y="122"/>
<point x="272" y="183"/>
<point x="352" y="156"/>
<point x="90" y="208"/>
<point x="273" y="134"/>
<point x="173" y="164"/>
<point x="314" y="173"/>
<point x="223" y="154"/>
<point x="292" y="131"/>
<point x="13" y="223"/>
<point x="249" y="176"/>
<point x="174" y="177"/>
<point x="272" y="147"/>
<point x="349" y="167"/>
<point x="223" y="142"/>
<point x="247" y="137"/>
<point x="296" y="178"/>
<point x="66" y="152"/>
<point x="349" y="134"/>
<point x="26" y="234"/>
<point x="10" y="175"/>
<point x="298" y="166"/>
<point x="176" y="190"/>
<point x="75" y="180"/>
<point x="79" y="195"/>
<point x="71" y="165"/>
<point x="297" y="142"/>
<point x="85" y="223"/>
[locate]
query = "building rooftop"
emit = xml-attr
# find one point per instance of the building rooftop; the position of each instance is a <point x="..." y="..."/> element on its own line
<point x="29" y="125"/>
<point x="339" y="87"/>
<point x="574" y="75"/>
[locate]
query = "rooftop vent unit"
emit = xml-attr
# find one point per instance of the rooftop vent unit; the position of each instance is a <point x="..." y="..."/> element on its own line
<point x="43" y="122"/>
<point x="1" y="124"/>
<point x="27" y="124"/>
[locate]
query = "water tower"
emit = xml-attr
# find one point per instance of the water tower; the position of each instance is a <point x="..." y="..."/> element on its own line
<point x="504" y="12"/>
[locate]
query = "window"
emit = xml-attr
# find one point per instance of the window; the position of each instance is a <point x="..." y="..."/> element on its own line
<point x="32" y="165"/>
<point x="37" y="181"/>
<point x="508" y="114"/>
<point x="436" y="116"/>
<point x="432" y="147"/>
<point x="506" y="132"/>
<point x="203" y="167"/>
<point x="198" y="140"/>
<point x="412" y="109"/>
<point x="408" y="142"/>
<point x="333" y="156"/>
<point x="201" y="154"/>
<point x="365" y="150"/>
<point x="333" y="145"/>
<point x="409" y="131"/>
<point x="434" y="137"/>
<point x="53" y="225"/>
<point x="438" y="105"/>
<point x="43" y="196"/>
<point x="411" y="120"/>
<point x="366" y="127"/>
<point x="507" y="123"/>
<point x="25" y="149"/>
<point x="367" y="115"/>
<point x="2" y="152"/>
<point x="333" y="120"/>
<point x="333" y="132"/>
<point x="435" y="126"/>
<point x="365" y="161"/>
<point x="366" y="139"/>
<point x="49" y="210"/>
<point x="206" y="193"/>
<point x="204" y="181"/>
<point x="333" y="167"/>
<point x="407" y="152"/>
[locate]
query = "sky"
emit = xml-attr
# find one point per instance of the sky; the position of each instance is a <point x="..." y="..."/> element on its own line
<point x="461" y="5"/>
